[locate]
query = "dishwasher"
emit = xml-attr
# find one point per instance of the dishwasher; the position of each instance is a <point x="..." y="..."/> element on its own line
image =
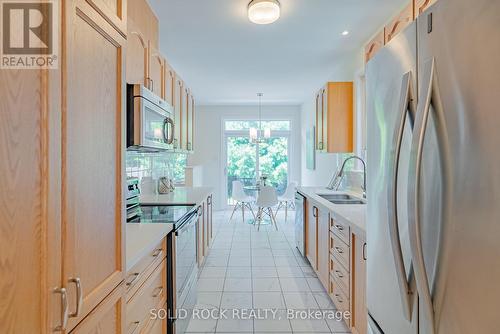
<point x="300" y="222"/>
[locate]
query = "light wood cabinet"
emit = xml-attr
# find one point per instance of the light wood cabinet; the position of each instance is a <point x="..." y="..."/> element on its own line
<point x="157" y="72"/>
<point x="334" y="118"/>
<point x="105" y="318"/>
<point x="374" y="45"/>
<point x="185" y="93"/>
<point x="398" y="24"/>
<point x="190" y="121"/>
<point x="359" y="312"/>
<point x="312" y="234"/>
<point x="179" y="107"/>
<point x="169" y="83"/>
<point x="137" y="56"/>
<point x="422" y="5"/>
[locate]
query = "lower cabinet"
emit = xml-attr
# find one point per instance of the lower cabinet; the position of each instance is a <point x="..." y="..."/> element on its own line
<point x="359" y="316"/>
<point x="323" y="257"/>
<point x="106" y="317"/>
<point x="204" y="228"/>
<point x="312" y="234"/>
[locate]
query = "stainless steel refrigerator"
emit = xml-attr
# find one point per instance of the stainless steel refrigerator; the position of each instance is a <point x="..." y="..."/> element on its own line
<point x="433" y="222"/>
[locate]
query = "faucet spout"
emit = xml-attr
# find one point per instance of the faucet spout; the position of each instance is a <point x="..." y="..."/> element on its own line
<point x="335" y="184"/>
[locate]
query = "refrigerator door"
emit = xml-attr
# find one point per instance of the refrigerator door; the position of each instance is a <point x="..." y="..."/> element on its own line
<point x="459" y="220"/>
<point x="386" y="294"/>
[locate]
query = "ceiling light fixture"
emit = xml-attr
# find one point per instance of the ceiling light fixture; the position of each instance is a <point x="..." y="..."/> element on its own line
<point x="264" y="11"/>
<point x="256" y="134"/>
<point x="345" y="33"/>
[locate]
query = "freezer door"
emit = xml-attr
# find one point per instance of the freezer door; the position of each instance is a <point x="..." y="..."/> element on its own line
<point x="458" y="192"/>
<point x="385" y="75"/>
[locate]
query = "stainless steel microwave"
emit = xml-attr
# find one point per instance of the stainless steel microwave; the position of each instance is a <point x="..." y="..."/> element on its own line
<point x="150" y="124"/>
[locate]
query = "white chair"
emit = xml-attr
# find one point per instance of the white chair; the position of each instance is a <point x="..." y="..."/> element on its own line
<point x="288" y="199"/>
<point x="242" y="200"/>
<point x="265" y="201"/>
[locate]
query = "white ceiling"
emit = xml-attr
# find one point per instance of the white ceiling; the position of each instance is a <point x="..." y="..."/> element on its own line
<point x="226" y="59"/>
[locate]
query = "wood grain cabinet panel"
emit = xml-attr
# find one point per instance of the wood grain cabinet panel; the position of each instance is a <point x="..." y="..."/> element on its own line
<point x="422" y="5"/>
<point x="157" y="73"/>
<point x="169" y="83"/>
<point x="323" y="256"/>
<point x="184" y="127"/>
<point x="399" y="23"/>
<point x="93" y="147"/>
<point x="190" y="121"/>
<point x="179" y="110"/>
<point x="359" y="313"/>
<point x="374" y="45"/>
<point x="137" y="56"/>
<point x="312" y="234"/>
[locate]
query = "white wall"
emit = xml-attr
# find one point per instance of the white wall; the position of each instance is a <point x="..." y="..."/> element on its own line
<point x="328" y="163"/>
<point x="209" y="140"/>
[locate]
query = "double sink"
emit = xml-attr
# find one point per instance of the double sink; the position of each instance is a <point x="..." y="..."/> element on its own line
<point x="342" y="199"/>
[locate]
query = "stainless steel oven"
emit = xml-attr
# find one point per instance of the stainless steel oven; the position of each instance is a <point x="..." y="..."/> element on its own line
<point x="300" y="219"/>
<point x="150" y="123"/>
<point x="182" y="271"/>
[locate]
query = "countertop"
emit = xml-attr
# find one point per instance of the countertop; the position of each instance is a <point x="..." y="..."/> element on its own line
<point x="180" y="196"/>
<point x="142" y="238"/>
<point x="353" y="214"/>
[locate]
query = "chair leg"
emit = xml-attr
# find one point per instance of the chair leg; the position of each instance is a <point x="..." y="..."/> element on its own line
<point x="286" y="211"/>
<point x="251" y="210"/>
<point x="259" y="216"/>
<point x="232" y="214"/>
<point x="243" y="211"/>
<point x="273" y="218"/>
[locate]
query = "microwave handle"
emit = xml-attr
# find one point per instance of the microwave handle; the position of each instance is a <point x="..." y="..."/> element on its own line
<point x="168" y="139"/>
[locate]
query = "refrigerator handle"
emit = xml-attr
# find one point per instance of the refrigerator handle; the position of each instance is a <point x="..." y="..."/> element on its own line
<point x="406" y="106"/>
<point x="430" y="96"/>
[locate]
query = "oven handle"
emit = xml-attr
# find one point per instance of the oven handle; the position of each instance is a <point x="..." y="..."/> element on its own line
<point x="190" y="221"/>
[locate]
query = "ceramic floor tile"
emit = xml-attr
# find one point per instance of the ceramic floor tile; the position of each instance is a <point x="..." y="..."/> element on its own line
<point x="239" y="272"/>
<point x="279" y="323"/>
<point x="315" y="284"/>
<point x="268" y="300"/>
<point x="309" y="326"/>
<point x="236" y="300"/>
<point x="210" y="284"/>
<point x="285" y="272"/>
<point x="213" y="272"/>
<point x="295" y="284"/>
<point x="337" y="326"/>
<point x="300" y="300"/>
<point x="324" y="301"/>
<point x="239" y="261"/>
<point x="208" y="300"/>
<point x="264" y="272"/>
<point x="266" y="284"/>
<point x="235" y="326"/>
<point x="202" y="325"/>
<point x="263" y="262"/>
<point x="238" y="285"/>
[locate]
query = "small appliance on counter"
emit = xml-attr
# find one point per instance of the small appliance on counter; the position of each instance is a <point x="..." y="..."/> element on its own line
<point x="132" y="198"/>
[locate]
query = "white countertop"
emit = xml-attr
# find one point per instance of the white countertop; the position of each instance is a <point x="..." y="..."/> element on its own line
<point x="180" y="196"/>
<point x="141" y="239"/>
<point x="353" y="214"/>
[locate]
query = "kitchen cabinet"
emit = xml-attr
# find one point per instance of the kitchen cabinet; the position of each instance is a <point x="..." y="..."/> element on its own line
<point x="398" y="23"/>
<point x="93" y="207"/>
<point x="312" y="234"/>
<point x="359" y="316"/>
<point x="105" y="318"/>
<point x="169" y="83"/>
<point x="137" y="56"/>
<point x="190" y="121"/>
<point x="422" y="5"/>
<point x="210" y="220"/>
<point x="334" y="118"/>
<point x="179" y="108"/>
<point x="185" y="93"/>
<point x="204" y="228"/>
<point x="200" y="235"/>
<point x="374" y="45"/>
<point x="156" y="72"/>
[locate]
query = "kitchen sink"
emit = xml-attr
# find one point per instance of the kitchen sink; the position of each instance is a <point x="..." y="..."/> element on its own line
<point x="342" y="199"/>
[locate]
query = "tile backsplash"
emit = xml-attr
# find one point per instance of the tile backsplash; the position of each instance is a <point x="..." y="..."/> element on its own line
<point x="155" y="165"/>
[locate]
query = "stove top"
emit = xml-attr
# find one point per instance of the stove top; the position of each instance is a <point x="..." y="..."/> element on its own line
<point x="164" y="214"/>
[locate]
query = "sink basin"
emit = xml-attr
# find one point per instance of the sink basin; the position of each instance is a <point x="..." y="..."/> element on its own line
<point x="342" y="199"/>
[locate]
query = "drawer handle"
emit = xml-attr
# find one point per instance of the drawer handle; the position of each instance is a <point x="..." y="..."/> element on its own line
<point x="159" y="291"/>
<point x="338" y="298"/>
<point x="340" y="250"/>
<point x="157" y="252"/>
<point x="79" y="297"/>
<point x="135" y="276"/>
<point x="64" y="309"/>
<point x="339" y="274"/>
<point x="136" y="326"/>
<point x="339" y="227"/>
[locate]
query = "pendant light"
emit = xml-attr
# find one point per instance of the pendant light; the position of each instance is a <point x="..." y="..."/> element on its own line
<point x="256" y="134"/>
<point x="263" y="11"/>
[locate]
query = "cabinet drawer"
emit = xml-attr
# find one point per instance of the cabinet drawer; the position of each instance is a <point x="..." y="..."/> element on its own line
<point x="341" y="230"/>
<point x="138" y="274"/>
<point x="340" y="300"/>
<point x="340" y="274"/>
<point x="339" y="250"/>
<point x="151" y="294"/>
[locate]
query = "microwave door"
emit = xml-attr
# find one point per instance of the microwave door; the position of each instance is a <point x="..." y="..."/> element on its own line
<point x="156" y="126"/>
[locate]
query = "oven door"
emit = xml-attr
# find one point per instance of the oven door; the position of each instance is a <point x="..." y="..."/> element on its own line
<point x="183" y="273"/>
<point x="153" y="125"/>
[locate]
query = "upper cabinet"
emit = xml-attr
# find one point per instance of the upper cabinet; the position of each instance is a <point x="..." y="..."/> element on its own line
<point x="334" y="118"/>
<point x="137" y="56"/>
<point x="169" y="83"/>
<point x="374" y="45"/>
<point x="399" y="23"/>
<point x="156" y="72"/>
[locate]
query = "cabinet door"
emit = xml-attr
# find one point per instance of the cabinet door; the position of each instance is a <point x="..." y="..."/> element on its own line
<point x="323" y="256"/>
<point x="358" y="294"/>
<point x="93" y="208"/>
<point x="199" y="236"/>
<point x="137" y="56"/>
<point x="324" y="123"/>
<point x="185" y="93"/>
<point x="178" y="107"/>
<point x="312" y="235"/>
<point x="169" y="76"/>
<point x="156" y="73"/>
<point x="319" y="121"/>
<point x="190" y="122"/>
<point x="422" y="5"/>
<point x="106" y="318"/>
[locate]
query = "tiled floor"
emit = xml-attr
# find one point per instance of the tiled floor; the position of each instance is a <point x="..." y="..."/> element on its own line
<point x="249" y="270"/>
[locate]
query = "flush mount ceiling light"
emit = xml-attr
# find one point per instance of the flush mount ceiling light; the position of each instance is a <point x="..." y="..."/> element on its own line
<point x="345" y="32"/>
<point x="263" y="11"/>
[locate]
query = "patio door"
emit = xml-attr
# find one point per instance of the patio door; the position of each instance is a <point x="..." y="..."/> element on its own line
<point x="247" y="161"/>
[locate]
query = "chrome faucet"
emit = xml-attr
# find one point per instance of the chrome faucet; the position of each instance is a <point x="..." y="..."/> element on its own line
<point x="338" y="177"/>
